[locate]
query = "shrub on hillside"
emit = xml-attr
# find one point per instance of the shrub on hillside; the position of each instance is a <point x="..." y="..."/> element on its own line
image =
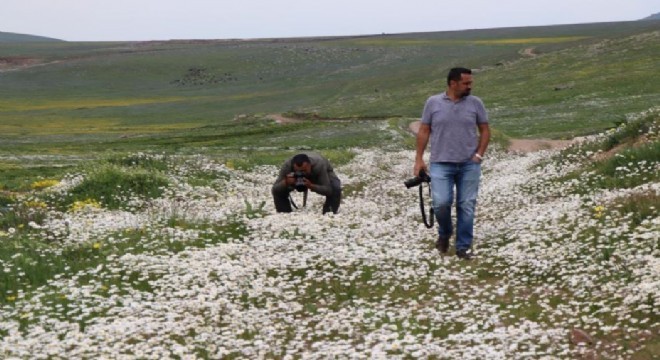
<point x="624" y="157"/>
<point x="6" y="199"/>
<point x="116" y="187"/>
<point x="141" y="160"/>
<point x="22" y="214"/>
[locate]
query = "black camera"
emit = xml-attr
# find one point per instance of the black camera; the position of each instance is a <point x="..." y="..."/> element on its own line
<point x="417" y="180"/>
<point x="300" y="183"/>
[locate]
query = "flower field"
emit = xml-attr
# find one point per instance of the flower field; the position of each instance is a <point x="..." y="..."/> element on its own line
<point x="200" y="266"/>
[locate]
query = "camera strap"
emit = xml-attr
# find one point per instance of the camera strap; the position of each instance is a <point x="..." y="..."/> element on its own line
<point x="421" y="206"/>
<point x="304" y="200"/>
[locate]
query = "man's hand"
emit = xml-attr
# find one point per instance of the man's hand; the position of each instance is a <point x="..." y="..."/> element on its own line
<point x="419" y="166"/>
<point x="308" y="183"/>
<point x="290" y="179"/>
<point x="423" y="135"/>
<point x="477" y="159"/>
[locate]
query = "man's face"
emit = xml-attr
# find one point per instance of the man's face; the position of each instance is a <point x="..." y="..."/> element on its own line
<point x="462" y="87"/>
<point x="305" y="168"/>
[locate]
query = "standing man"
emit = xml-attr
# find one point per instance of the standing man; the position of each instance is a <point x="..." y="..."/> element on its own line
<point x="451" y="121"/>
<point x="309" y="171"/>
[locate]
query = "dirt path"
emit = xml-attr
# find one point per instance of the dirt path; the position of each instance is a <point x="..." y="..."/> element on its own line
<point x="531" y="145"/>
<point x="16" y="63"/>
<point x="282" y="119"/>
<point x="528" y="52"/>
<point x="520" y="145"/>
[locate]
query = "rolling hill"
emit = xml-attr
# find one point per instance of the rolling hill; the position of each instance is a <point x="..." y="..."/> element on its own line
<point x="655" y="16"/>
<point x="20" y="38"/>
<point x="550" y="81"/>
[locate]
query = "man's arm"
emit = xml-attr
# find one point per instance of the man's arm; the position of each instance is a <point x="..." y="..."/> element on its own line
<point x="322" y="185"/>
<point x="484" y="139"/>
<point x="423" y="135"/>
<point x="281" y="181"/>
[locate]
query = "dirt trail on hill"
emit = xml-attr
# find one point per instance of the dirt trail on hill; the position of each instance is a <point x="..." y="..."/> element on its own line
<point x="520" y="145"/>
<point x="528" y="52"/>
<point x="21" y="63"/>
<point x="280" y="119"/>
<point x="530" y="145"/>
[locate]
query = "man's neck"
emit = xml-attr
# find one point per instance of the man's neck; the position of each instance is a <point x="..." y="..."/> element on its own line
<point x="452" y="95"/>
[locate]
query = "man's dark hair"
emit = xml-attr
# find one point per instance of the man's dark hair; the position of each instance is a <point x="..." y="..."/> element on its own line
<point x="300" y="159"/>
<point x="456" y="74"/>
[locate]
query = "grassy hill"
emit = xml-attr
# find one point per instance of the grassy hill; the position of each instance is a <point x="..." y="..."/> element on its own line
<point x="78" y="92"/>
<point x="23" y="38"/>
<point x="655" y="16"/>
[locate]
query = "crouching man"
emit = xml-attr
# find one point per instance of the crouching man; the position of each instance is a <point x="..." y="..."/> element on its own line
<point x="308" y="171"/>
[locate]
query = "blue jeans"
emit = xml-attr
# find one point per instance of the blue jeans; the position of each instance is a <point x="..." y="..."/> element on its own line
<point x="465" y="177"/>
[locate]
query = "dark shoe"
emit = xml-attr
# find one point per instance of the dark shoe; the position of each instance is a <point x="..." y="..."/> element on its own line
<point x="463" y="254"/>
<point x="442" y="244"/>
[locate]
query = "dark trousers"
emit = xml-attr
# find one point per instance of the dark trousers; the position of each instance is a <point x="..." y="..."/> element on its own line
<point x="283" y="204"/>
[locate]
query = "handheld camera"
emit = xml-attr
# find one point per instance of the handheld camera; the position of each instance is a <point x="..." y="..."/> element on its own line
<point x="417" y="180"/>
<point x="423" y="177"/>
<point x="300" y="183"/>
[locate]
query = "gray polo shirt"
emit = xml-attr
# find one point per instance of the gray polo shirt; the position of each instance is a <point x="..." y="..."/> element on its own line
<point x="454" y="135"/>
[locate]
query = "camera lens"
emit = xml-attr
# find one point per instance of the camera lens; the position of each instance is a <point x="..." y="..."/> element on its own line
<point x="412" y="182"/>
<point x="300" y="184"/>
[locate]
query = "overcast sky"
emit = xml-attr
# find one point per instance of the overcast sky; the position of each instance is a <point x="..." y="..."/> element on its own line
<point x="108" y="20"/>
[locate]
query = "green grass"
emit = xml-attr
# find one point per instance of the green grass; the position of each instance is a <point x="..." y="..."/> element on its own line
<point x="121" y="97"/>
<point x="577" y="91"/>
<point x="113" y="186"/>
<point x="16" y="176"/>
<point x="639" y="207"/>
<point x="625" y="157"/>
<point x="148" y="162"/>
<point x="32" y="262"/>
<point x="6" y="199"/>
<point x="629" y="168"/>
<point x="18" y="214"/>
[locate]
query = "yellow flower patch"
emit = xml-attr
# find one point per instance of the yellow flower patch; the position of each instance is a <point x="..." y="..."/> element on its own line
<point x="84" y="204"/>
<point x="42" y="184"/>
<point x="36" y="204"/>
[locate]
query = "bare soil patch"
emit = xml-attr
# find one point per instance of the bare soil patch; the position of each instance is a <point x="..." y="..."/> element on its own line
<point x="19" y="62"/>
<point x="528" y="52"/>
<point x="519" y="145"/>
<point x="531" y="145"/>
<point x="641" y="140"/>
<point x="280" y="119"/>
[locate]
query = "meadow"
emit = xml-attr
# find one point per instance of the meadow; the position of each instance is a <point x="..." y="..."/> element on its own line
<point x="136" y="217"/>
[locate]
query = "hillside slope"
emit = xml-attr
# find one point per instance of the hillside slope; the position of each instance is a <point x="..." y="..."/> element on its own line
<point x="8" y="37"/>
<point x="575" y="91"/>
<point x="655" y="16"/>
<point x="77" y="92"/>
